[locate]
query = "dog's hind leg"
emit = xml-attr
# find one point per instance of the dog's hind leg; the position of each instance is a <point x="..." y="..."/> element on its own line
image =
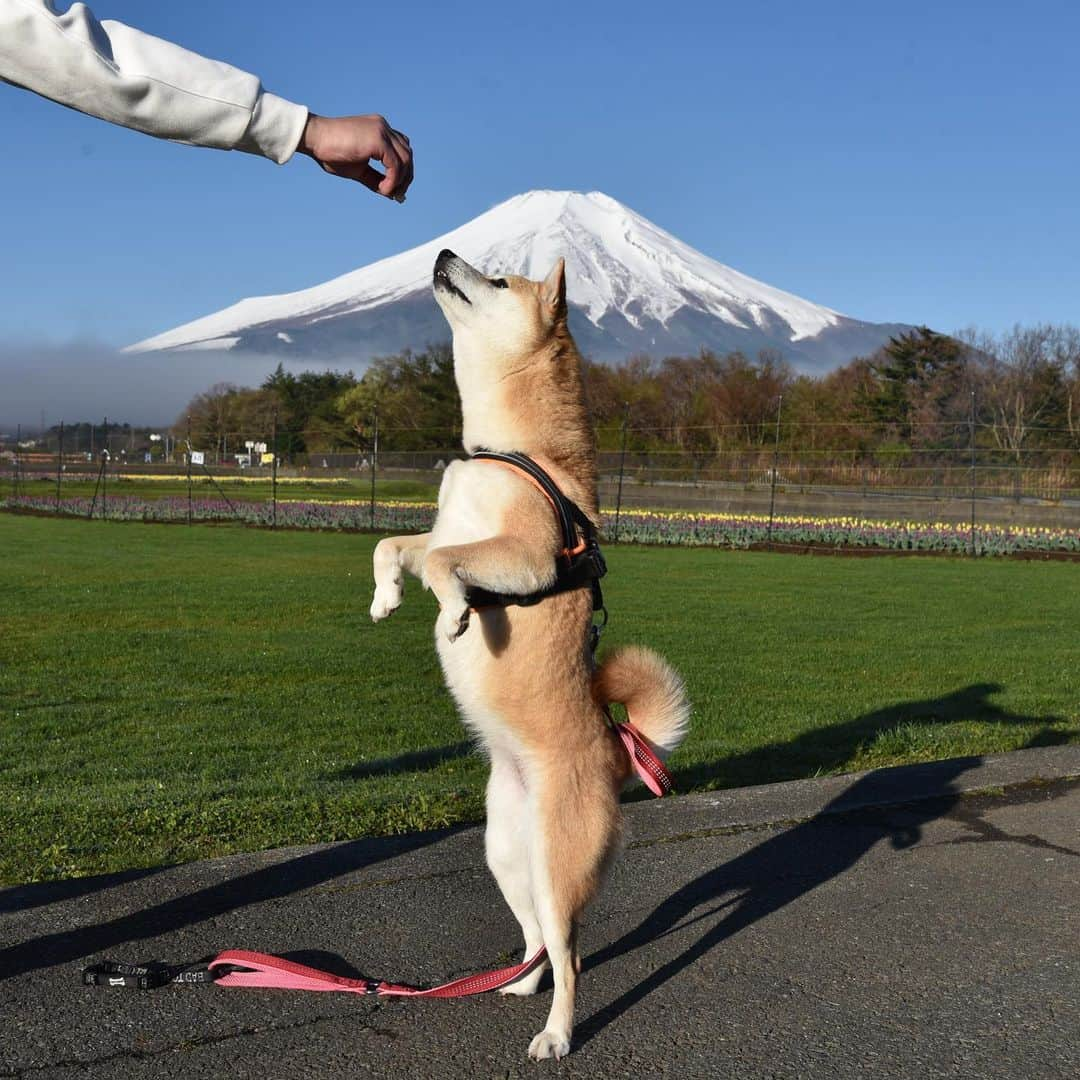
<point x="507" y="845"/>
<point x="576" y="827"/>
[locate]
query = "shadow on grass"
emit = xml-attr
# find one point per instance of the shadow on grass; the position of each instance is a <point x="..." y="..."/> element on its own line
<point x="797" y="860"/>
<point x="414" y="761"/>
<point x="828" y="749"/>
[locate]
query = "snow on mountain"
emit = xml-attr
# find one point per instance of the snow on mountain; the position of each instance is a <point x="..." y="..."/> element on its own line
<point x="632" y="288"/>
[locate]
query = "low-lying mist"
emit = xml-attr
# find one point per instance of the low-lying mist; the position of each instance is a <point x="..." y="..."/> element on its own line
<point x="89" y="381"/>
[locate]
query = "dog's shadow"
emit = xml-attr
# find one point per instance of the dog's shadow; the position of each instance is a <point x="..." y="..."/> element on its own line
<point x="797" y="860"/>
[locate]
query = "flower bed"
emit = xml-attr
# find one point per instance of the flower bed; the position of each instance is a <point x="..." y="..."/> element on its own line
<point x="741" y="531"/>
<point x="635" y="526"/>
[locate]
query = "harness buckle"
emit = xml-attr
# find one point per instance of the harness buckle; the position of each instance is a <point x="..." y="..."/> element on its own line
<point x="596" y="629"/>
<point x="596" y="559"/>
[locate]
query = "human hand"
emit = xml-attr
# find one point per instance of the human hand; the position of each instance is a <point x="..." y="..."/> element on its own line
<point x="345" y="145"/>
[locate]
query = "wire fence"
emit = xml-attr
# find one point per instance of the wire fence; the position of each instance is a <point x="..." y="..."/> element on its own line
<point x="968" y="486"/>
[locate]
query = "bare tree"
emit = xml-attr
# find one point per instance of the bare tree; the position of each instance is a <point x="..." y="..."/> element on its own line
<point x="1024" y="381"/>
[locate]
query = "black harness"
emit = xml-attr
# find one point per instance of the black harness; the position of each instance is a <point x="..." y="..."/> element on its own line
<point x="579" y="565"/>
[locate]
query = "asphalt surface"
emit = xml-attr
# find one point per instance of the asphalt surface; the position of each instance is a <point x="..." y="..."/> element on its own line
<point x="879" y="925"/>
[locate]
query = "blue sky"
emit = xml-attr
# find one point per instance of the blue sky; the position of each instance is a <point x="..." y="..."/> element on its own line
<point x="912" y="162"/>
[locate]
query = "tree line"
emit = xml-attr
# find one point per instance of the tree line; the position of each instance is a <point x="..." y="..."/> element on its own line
<point x="922" y="391"/>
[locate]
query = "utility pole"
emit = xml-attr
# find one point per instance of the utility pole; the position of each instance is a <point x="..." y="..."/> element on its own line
<point x="971" y="444"/>
<point x="59" y="464"/>
<point x="622" y="470"/>
<point x="104" y="468"/>
<point x="189" y="469"/>
<point x="273" y="477"/>
<point x="775" y="467"/>
<point x="374" y="455"/>
<point x="16" y="479"/>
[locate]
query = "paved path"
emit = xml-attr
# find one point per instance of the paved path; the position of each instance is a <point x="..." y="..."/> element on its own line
<point x="816" y="929"/>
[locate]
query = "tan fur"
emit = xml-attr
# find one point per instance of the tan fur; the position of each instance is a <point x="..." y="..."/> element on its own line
<point x="524" y="677"/>
<point x="651" y="692"/>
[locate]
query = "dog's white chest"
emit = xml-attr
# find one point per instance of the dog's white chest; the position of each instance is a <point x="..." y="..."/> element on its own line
<point x="472" y="501"/>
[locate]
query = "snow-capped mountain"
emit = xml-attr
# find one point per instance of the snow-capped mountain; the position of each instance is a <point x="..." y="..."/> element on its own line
<point x="632" y="289"/>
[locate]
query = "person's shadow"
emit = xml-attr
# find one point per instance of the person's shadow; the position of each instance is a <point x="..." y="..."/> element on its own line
<point x="830" y="748"/>
<point x="797" y="860"/>
<point x="270" y="882"/>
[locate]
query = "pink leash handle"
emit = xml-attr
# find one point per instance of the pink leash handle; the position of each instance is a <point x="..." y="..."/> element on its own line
<point x="274" y="972"/>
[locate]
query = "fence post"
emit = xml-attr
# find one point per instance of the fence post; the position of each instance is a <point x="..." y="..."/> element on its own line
<point x="273" y="476"/>
<point x="971" y="445"/>
<point x="374" y="454"/>
<point x="16" y="476"/>
<point x="622" y="470"/>
<point x="105" y="469"/>
<point x="59" y="464"/>
<point x="776" y="463"/>
<point x="189" y="469"/>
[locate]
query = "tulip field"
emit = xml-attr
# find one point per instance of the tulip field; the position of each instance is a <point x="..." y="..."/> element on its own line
<point x="633" y="526"/>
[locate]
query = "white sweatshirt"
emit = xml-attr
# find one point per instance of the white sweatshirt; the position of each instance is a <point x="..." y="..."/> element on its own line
<point x="109" y="70"/>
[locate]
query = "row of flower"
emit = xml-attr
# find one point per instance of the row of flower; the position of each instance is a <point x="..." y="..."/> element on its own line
<point x="640" y="526"/>
<point x="205" y="479"/>
<point x="745" y="530"/>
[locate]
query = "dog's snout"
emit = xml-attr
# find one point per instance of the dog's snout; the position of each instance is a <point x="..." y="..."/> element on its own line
<point x="448" y="274"/>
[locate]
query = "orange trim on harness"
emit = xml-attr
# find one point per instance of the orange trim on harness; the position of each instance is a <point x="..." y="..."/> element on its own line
<point x="567" y="552"/>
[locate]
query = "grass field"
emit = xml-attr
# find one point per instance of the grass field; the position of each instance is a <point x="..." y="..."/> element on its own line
<point x="170" y="693"/>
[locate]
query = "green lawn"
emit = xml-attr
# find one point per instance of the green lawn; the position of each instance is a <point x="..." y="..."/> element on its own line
<point x="171" y="693"/>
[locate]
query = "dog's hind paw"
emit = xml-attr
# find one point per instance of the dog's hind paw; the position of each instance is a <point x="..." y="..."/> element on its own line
<point x="525" y="986"/>
<point x="549" y="1044"/>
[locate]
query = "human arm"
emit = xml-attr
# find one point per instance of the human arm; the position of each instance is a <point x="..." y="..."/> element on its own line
<point x="114" y="72"/>
<point x="117" y="73"/>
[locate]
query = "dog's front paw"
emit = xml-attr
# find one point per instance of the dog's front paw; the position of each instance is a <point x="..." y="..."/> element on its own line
<point x="386" y="601"/>
<point x="453" y="622"/>
<point x="549" y="1044"/>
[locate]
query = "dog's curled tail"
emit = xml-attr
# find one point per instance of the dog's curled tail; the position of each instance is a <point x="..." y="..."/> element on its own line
<point x="650" y="690"/>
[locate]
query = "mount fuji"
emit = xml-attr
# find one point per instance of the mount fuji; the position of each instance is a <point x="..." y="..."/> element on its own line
<point x="632" y="289"/>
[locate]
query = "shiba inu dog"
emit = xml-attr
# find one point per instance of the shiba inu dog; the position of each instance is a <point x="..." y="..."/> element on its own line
<point x="524" y="677"/>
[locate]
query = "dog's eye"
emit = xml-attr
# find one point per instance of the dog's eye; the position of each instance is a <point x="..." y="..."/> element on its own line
<point x="501" y="283"/>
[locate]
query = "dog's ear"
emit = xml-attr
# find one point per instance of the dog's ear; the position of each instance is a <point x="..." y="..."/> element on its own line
<point x="553" y="289"/>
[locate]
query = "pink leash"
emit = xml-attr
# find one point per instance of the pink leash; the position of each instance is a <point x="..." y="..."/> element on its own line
<point x="647" y="765"/>
<point x="260" y="969"/>
<point x="239" y="967"/>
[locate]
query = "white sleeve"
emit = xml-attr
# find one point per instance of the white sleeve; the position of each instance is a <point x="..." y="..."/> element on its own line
<point x="109" y="70"/>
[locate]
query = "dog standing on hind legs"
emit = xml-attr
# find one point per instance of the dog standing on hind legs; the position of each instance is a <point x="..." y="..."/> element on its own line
<point x="523" y="674"/>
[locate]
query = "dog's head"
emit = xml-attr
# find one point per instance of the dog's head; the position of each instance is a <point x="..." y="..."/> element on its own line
<point x="498" y="322"/>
